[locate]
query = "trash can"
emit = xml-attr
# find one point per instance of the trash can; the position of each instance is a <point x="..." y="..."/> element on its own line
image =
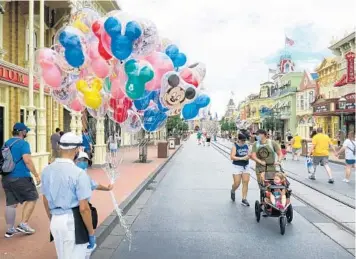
<point x="177" y="141"/>
<point x="171" y="143"/>
<point x="162" y="149"/>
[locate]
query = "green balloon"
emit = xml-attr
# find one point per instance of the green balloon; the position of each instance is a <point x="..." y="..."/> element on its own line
<point x="107" y="85"/>
<point x="137" y="79"/>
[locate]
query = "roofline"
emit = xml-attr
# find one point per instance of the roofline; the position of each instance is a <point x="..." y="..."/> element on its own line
<point x="344" y="40"/>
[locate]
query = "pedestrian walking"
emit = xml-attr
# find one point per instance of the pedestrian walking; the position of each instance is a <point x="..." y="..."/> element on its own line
<point x="113" y="145"/>
<point x="88" y="144"/>
<point x="66" y="190"/>
<point x="349" y="146"/>
<point x="266" y="153"/>
<point x="199" y="136"/>
<point x="18" y="184"/>
<point x="208" y="139"/>
<point x="54" y="144"/>
<point x="240" y="160"/>
<point x="320" y="152"/>
<point x="296" y="147"/>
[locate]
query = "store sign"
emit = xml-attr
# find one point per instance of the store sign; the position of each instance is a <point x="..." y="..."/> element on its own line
<point x="13" y="76"/>
<point x="349" y="77"/>
<point x="350" y="102"/>
<point x="350" y="57"/>
<point x="16" y="77"/>
<point x="322" y="108"/>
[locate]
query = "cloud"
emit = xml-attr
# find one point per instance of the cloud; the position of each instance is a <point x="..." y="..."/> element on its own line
<point x="239" y="40"/>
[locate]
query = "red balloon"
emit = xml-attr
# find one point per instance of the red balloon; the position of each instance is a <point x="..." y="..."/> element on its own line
<point x="120" y="114"/>
<point x="120" y="107"/>
<point x="188" y="77"/>
<point x="96" y="28"/>
<point x="127" y="103"/>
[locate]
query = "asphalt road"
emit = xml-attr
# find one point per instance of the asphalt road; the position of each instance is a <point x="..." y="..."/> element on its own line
<point x="189" y="214"/>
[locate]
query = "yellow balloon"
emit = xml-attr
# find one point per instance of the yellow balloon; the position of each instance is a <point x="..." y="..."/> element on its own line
<point x="92" y="97"/>
<point x="80" y="25"/>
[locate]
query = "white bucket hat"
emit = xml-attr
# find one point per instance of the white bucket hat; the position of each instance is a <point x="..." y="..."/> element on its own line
<point x="70" y="141"/>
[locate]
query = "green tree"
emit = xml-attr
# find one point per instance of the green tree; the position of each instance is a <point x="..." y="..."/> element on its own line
<point x="176" y="125"/>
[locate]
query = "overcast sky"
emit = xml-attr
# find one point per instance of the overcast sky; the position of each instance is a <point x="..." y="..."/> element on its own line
<point x="239" y="40"/>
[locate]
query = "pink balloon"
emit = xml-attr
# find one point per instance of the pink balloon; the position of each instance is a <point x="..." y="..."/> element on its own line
<point x="76" y="105"/>
<point x="51" y="73"/>
<point x="117" y="87"/>
<point x="161" y="64"/>
<point x="100" y="66"/>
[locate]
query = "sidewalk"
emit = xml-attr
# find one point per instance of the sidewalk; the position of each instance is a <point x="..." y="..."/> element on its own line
<point x="37" y="246"/>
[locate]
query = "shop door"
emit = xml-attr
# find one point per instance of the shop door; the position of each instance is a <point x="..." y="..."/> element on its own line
<point x="2" y="126"/>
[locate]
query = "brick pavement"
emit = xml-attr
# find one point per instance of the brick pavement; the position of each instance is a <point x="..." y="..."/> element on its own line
<point x="38" y="246"/>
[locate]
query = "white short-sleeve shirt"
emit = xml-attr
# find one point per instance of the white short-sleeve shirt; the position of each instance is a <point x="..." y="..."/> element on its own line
<point x="350" y="146"/>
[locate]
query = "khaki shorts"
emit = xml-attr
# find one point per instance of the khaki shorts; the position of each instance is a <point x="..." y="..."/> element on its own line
<point x="322" y="160"/>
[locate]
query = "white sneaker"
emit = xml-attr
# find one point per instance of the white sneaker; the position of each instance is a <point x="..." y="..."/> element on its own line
<point x="346" y="181"/>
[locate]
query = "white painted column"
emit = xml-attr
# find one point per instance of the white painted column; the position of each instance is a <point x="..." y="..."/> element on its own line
<point x="100" y="147"/>
<point x="31" y="122"/>
<point x="79" y="123"/>
<point x="41" y="125"/>
<point x="73" y="122"/>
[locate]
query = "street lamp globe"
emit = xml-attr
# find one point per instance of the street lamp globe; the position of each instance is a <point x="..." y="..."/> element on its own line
<point x="342" y="103"/>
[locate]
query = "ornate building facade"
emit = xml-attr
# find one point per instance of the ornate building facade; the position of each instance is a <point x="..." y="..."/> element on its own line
<point x="25" y="27"/>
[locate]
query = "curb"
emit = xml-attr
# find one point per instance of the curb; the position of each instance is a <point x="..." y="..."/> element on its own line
<point x="112" y="220"/>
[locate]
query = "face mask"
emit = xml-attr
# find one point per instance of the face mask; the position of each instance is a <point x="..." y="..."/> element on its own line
<point x="83" y="165"/>
<point x="258" y="138"/>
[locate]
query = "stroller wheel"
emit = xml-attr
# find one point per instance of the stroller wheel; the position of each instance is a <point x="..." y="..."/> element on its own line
<point x="282" y="224"/>
<point x="289" y="214"/>
<point x="257" y="211"/>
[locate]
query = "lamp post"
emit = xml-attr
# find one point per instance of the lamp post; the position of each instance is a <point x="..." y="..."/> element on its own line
<point x="342" y="105"/>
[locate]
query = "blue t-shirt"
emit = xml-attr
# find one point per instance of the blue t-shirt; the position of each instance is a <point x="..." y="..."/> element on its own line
<point x="241" y="151"/>
<point x="86" y="142"/>
<point x="20" y="148"/>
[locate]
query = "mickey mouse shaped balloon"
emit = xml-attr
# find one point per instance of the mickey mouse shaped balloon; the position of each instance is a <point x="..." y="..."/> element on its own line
<point x="175" y="92"/>
<point x="122" y="45"/>
<point x="70" y="39"/>
<point x="191" y="110"/>
<point x="120" y="107"/>
<point x="138" y="76"/>
<point x="194" y="74"/>
<point x="92" y="97"/>
<point x="98" y="30"/>
<point x="178" y="58"/>
<point x="153" y="119"/>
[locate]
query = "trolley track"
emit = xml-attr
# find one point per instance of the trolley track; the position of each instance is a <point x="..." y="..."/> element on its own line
<point x="225" y="151"/>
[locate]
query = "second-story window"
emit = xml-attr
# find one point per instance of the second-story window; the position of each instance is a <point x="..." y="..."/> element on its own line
<point x="35" y="43"/>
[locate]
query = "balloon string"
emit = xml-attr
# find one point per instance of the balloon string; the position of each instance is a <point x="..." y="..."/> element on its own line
<point x="122" y="220"/>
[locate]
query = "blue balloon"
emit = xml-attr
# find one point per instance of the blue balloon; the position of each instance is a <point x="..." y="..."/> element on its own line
<point x="191" y="110"/>
<point x="153" y="119"/>
<point x="143" y="103"/>
<point x="178" y="58"/>
<point x="122" y="45"/>
<point x="73" y="51"/>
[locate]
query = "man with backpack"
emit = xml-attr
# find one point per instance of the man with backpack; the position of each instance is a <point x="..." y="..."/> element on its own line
<point x="16" y="166"/>
<point x="264" y="153"/>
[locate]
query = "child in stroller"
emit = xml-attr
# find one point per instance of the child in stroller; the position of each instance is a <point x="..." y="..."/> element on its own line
<point x="276" y="188"/>
<point x="277" y="197"/>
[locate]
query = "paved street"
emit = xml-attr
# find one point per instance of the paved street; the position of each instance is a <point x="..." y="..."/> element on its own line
<point x="188" y="213"/>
